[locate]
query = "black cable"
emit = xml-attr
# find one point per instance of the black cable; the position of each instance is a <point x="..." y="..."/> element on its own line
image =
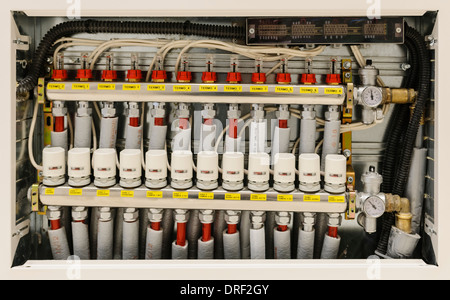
<point x="417" y="41"/>
<point x="70" y="28"/>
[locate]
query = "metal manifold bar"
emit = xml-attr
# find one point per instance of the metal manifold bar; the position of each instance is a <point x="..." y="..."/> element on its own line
<point x="193" y="92"/>
<point x="193" y="198"/>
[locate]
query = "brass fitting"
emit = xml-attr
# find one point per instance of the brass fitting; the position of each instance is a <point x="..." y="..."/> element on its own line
<point x="399" y="96"/>
<point x="402" y="207"/>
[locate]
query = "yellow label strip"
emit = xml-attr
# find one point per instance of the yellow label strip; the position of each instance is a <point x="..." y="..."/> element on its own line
<point x="156" y="87"/>
<point x="181" y="88"/>
<point x="284" y="89"/>
<point x="259" y="89"/>
<point x="311" y="198"/>
<point x="309" y="90"/>
<point x="258" y="197"/>
<point x="102" y="193"/>
<point x="56" y="86"/>
<point x="208" y="88"/>
<point x="281" y="197"/>
<point x="181" y="195"/>
<point x="127" y="194"/>
<point x="333" y="91"/>
<point x="336" y="199"/>
<point x="232" y="88"/>
<point x="131" y="87"/>
<point x="229" y="196"/>
<point x="205" y="195"/>
<point x="75" y="192"/>
<point x="154" y="194"/>
<point x="106" y="86"/>
<point x="80" y="86"/>
<point x="49" y="191"/>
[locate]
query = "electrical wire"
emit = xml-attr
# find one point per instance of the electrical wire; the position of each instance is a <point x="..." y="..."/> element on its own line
<point x="30" y="137"/>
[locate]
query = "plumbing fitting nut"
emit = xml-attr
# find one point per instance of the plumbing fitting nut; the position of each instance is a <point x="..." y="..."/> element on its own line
<point x="206" y="216"/>
<point x="79" y="213"/>
<point x="258" y="217"/>
<point x="104" y="214"/>
<point x="208" y="111"/>
<point x="53" y="212"/>
<point x="182" y="111"/>
<point x="283" y="112"/>
<point x="155" y="214"/>
<point x="257" y="112"/>
<point x="83" y="109"/>
<point x="108" y="110"/>
<point x="181" y="215"/>
<point x="282" y="218"/>
<point x="158" y="110"/>
<point x="308" y="112"/>
<point x="233" y="111"/>
<point x="130" y="214"/>
<point x="334" y="219"/>
<point x="133" y="109"/>
<point x="232" y="216"/>
<point x="309" y="218"/>
<point x="332" y="114"/>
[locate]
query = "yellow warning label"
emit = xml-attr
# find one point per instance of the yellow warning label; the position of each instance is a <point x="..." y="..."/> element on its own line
<point x="205" y="195"/>
<point x="56" y="86"/>
<point x="284" y="89"/>
<point x="333" y="91"/>
<point x="102" y="193"/>
<point x="336" y="199"/>
<point x="49" y="191"/>
<point x="154" y="194"/>
<point x="128" y="194"/>
<point x="106" y="86"/>
<point x="156" y="87"/>
<point x="311" y="198"/>
<point x="181" y="88"/>
<point x="309" y="90"/>
<point x="131" y="87"/>
<point x="208" y="88"/>
<point x="258" y="197"/>
<point x="259" y="88"/>
<point x="181" y="195"/>
<point x="281" y="197"/>
<point x="75" y="192"/>
<point x="232" y="88"/>
<point x="80" y="86"/>
<point x="229" y="196"/>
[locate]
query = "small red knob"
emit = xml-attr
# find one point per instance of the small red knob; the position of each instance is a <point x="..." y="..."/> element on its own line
<point x="109" y="75"/>
<point x="184" y="76"/>
<point x="234" y="77"/>
<point x="259" y="77"/>
<point x="209" y="77"/>
<point x="84" y="74"/>
<point x="333" y="79"/>
<point x="159" y="75"/>
<point x="59" y="75"/>
<point x="134" y="75"/>
<point x="308" y="79"/>
<point x="283" y="78"/>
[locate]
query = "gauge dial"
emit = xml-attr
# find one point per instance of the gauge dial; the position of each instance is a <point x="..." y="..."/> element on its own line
<point x="371" y="96"/>
<point x="374" y="206"/>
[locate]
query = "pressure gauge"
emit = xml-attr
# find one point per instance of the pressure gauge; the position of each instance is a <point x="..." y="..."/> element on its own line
<point x="374" y="206"/>
<point x="371" y="96"/>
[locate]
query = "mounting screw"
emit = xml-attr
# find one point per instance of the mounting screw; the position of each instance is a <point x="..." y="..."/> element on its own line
<point x="405" y="66"/>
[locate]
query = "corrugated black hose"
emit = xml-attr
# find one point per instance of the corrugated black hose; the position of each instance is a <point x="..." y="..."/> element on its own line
<point x="70" y="28"/>
<point x="423" y="88"/>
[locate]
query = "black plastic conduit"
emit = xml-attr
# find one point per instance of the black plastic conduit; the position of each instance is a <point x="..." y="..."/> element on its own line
<point x="416" y="40"/>
<point x="70" y="28"/>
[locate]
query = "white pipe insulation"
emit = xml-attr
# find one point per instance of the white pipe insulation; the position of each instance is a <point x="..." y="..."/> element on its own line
<point x="179" y="252"/>
<point x="205" y="249"/>
<point x="330" y="247"/>
<point x="153" y="245"/>
<point x="130" y="242"/>
<point x="231" y="245"/>
<point x="105" y="239"/>
<point x="305" y="247"/>
<point x="282" y="243"/>
<point x="59" y="243"/>
<point x="82" y="132"/>
<point x="108" y="132"/>
<point x="257" y="243"/>
<point x="80" y="238"/>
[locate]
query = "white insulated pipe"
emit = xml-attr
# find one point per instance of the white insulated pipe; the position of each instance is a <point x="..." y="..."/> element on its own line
<point x="153" y="244"/>
<point x="130" y="240"/>
<point x="305" y="247"/>
<point x="59" y="139"/>
<point x="108" y="132"/>
<point x="231" y="245"/>
<point x="257" y="243"/>
<point x="330" y="247"/>
<point x="133" y="137"/>
<point x="205" y="249"/>
<point x="179" y="252"/>
<point x="82" y="132"/>
<point x="105" y="239"/>
<point x="80" y="239"/>
<point x="58" y="243"/>
<point x="282" y="243"/>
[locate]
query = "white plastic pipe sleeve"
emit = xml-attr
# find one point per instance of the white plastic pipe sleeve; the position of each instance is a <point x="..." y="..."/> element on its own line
<point x="257" y="243"/>
<point x="330" y="247"/>
<point x="133" y="137"/>
<point x="330" y="140"/>
<point x="105" y="239"/>
<point x="130" y="240"/>
<point x="307" y="136"/>
<point x="205" y="250"/>
<point x="59" y="244"/>
<point x="182" y="139"/>
<point x="82" y="132"/>
<point x="59" y="139"/>
<point x="305" y="247"/>
<point x="280" y="141"/>
<point x="258" y="133"/>
<point x="282" y="244"/>
<point x="231" y="144"/>
<point x="80" y="238"/>
<point x="108" y="132"/>
<point x="157" y="138"/>
<point x="231" y="245"/>
<point x="153" y="245"/>
<point x="207" y="137"/>
<point x="179" y="252"/>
